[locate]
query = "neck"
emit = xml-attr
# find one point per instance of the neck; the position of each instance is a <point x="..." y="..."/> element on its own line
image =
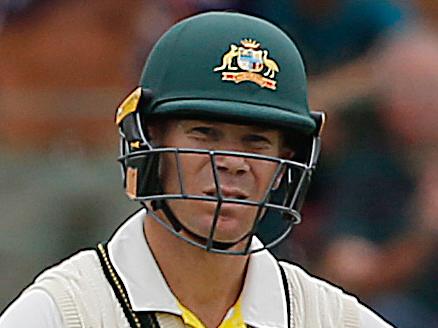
<point x="208" y="284"/>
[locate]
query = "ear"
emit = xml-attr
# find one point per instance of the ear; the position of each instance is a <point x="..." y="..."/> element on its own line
<point x="152" y="132"/>
<point x="287" y="153"/>
<point x="155" y="131"/>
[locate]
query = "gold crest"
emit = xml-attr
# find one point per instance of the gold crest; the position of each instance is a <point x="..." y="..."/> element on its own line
<point x="249" y="62"/>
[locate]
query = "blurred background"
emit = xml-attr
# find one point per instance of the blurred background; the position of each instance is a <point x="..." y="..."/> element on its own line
<point x="371" y="221"/>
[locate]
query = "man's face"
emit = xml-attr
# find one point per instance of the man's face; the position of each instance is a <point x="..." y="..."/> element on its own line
<point x="239" y="177"/>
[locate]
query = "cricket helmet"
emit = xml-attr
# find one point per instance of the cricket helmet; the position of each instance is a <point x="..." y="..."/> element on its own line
<point x="228" y="67"/>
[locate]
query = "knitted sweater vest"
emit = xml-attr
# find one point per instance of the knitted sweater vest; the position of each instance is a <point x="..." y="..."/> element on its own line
<point x="86" y="299"/>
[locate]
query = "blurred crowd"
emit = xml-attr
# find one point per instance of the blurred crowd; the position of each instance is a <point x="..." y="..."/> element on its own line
<point x="371" y="220"/>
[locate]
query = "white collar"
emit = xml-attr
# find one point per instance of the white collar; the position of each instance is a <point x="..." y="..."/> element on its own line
<point x="263" y="296"/>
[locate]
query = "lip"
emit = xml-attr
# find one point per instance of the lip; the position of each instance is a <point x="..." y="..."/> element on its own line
<point x="227" y="192"/>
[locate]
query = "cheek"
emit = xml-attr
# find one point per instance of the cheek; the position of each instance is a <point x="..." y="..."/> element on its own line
<point x="167" y="172"/>
<point x="193" y="169"/>
<point x="264" y="173"/>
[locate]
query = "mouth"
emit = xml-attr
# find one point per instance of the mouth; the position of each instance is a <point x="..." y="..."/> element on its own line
<point x="227" y="192"/>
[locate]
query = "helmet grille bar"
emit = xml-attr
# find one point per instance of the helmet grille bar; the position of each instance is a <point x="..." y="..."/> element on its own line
<point x="214" y="224"/>
<point x="141" y="153"/>
<point x="180" y="173"/>
<point x="263" y="202"/>
<point x="300" y="183"/>
<point x="219" y="199"/>
<point x="215" y="174"/>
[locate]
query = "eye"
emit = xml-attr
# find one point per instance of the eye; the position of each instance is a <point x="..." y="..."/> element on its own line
<point x="258" y="141"/>
<point x="201" y="130"/>
<point x="203" y="133"/>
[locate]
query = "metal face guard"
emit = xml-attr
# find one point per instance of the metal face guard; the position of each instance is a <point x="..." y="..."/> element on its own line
<point x="293" y="177"/>
<point x="140" y="162"/>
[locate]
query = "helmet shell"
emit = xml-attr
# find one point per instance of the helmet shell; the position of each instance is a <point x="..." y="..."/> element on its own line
<point x="228" y="66"/>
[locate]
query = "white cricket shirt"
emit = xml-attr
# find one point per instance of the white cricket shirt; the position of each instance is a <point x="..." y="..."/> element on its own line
<point x="263" y="301"/>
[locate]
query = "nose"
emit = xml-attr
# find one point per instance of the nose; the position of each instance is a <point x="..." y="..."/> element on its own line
<point x="235" y="165"/>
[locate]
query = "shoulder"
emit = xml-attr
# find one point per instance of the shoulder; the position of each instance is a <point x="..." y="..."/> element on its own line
<point x="75" y="291"/>
<point x="54" y="289"/>
<point x="70" y="279"/>
<point x="35" y="304"/>
<point x="81" y="291"/>
<point x="319" y="301"/>
<point x="299" y="278"/>
<point x="72" y="266"/>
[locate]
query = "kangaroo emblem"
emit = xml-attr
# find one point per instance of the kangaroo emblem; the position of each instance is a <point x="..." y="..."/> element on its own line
<point x="227" y="59"/>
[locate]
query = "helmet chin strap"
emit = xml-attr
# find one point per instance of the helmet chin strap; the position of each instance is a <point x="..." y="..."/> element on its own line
<point x="178" y="226"/>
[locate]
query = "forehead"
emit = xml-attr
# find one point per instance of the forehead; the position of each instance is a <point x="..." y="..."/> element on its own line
<point x="223" y="126"/>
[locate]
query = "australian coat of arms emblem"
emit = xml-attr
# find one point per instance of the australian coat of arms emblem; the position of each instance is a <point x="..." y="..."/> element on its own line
<point x="249" y="62"/>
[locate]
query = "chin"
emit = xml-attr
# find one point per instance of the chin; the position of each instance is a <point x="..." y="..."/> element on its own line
<point x="234" y="221"/>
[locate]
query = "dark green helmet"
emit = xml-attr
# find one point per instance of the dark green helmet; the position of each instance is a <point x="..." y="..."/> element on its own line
<point x="228" y="65"/>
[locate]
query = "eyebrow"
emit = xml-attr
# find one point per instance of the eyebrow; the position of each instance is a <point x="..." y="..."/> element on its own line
<point x="257" y="128"/>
